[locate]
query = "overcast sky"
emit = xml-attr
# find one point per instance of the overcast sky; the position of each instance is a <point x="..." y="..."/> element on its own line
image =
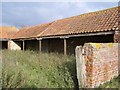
<point x="21" y="14"/>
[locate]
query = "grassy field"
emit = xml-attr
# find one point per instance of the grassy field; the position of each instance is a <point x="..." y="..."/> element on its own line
<point x="115" y="83"/>
<point x="29" y="69"/>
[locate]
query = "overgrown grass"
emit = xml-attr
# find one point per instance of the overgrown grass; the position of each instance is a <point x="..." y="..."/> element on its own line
<point x="29" y="69"/>
<point x="114" y="83"/>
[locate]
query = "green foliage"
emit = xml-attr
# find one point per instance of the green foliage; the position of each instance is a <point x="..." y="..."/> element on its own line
<point x="114" y="83"/>
<point x="29" y="69"/>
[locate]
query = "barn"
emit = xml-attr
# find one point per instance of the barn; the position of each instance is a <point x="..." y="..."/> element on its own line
<point x="6" y="33"/>
<point x="62" y="36"/>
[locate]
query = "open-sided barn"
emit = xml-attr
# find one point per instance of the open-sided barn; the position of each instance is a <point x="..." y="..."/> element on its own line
<point x="5" y="34"/>
<point x="64" y="35"/>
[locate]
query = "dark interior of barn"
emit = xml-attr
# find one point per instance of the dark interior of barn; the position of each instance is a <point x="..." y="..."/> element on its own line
<point x="56" y="45"/>
<point x="4" y="44"/>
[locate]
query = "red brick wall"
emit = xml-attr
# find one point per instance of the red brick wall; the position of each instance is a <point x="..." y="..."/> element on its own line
<point x="101" y="62"/>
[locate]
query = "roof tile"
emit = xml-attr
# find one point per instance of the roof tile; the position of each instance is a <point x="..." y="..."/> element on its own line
<point x="7" y="31"/>
<point x="104" y="20"/>
<point x="29" y="32"/>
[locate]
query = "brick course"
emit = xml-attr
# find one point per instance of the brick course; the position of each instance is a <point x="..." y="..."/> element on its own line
<point x="101" y="63"/>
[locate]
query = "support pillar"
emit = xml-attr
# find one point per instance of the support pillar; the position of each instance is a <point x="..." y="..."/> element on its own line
<point x="117" y="36"/>
<point x="65" y="47"/>
<point x="40" y="45"/>
<point x="23" y="45"/>
<point x="8" y="44"/>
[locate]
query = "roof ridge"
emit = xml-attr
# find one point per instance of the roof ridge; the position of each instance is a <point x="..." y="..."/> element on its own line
<point x="34" y="26"/>
<point x="45" y="29"/>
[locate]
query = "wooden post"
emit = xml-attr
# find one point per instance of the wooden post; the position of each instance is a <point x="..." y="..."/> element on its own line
<point x="23" y="45"/>
<point x="8" y="45"/>
<point x="65" y="47"/>
<point x="40" y="45"/>
<point x="117" y="37"/>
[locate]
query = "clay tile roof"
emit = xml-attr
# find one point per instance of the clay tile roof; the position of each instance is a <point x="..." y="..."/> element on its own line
<point x="3" y="35"/>
<point x="104" y="20"/>
<point x="6" y="32"/>
<point x="30" y="32"/>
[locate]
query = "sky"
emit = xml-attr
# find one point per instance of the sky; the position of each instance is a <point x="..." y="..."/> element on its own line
<point x="21" y="14"/>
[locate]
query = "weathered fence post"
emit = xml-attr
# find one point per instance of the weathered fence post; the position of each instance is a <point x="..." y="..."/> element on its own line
<point x="81" y="68"/>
